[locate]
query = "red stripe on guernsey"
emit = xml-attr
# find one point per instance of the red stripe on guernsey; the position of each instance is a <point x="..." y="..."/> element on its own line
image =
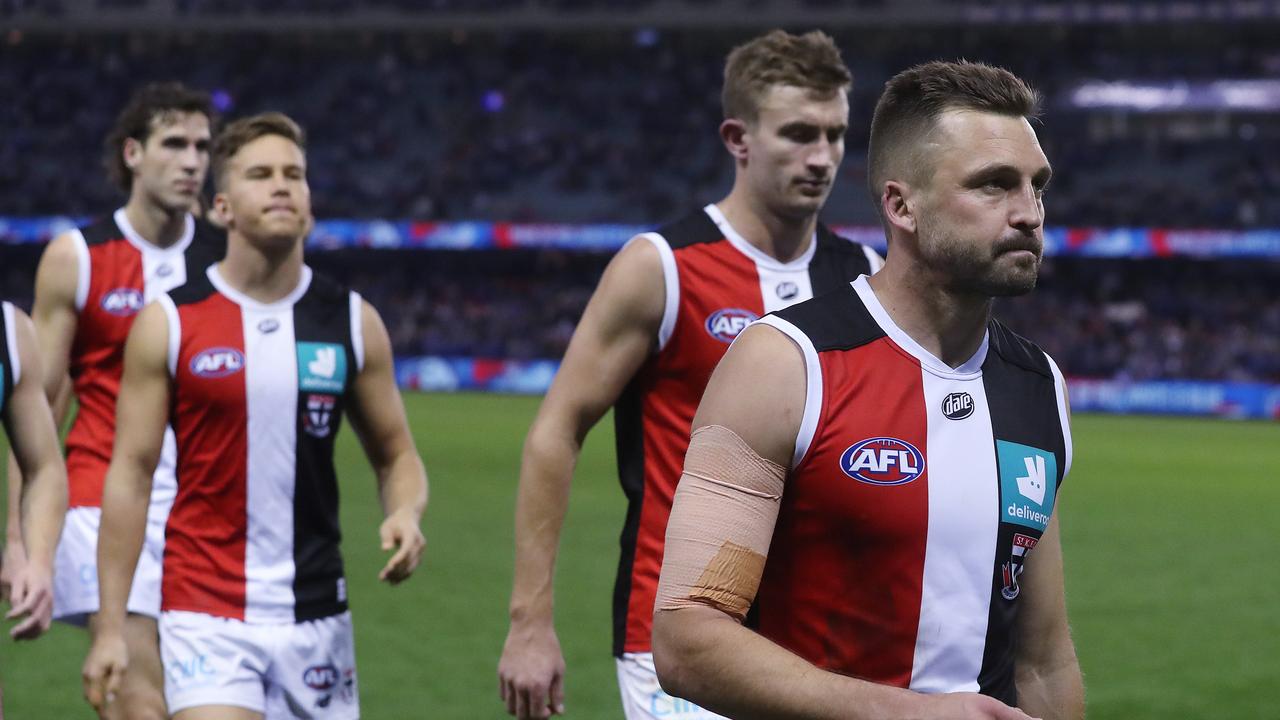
<point x="865" y="541"/>
<point x="97" y="361"/>
<point x="714" y="277"/>
<point x="204" y="555"/>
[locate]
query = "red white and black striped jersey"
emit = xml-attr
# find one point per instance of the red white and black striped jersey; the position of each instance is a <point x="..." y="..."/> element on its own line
<point x="716" y="284"/>
<point x="258" y="394"/>
<point x="10" y="361"/>
<point x="917" y="491"/>
<point x="118" y="273"/>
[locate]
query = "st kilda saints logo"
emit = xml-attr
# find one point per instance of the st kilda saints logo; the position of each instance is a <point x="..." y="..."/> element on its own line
<point x="317" y="415"/>
<point x="957" y="406"/>
<point x="1012" y="568"/>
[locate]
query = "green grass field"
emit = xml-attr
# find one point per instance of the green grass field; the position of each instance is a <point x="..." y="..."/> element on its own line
<point x="1169" y="527"/>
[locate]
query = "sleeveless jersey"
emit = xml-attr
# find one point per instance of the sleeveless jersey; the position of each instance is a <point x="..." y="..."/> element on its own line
<point x="917" y="492"/>
<point x="10" y="362"/>
<point x="257" y="398"/>
<point x="716" y="283"/>
<point x="119" y="272"/>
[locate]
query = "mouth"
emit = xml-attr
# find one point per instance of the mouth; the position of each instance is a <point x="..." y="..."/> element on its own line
<point x="1026" y="246"/>
<point x="187" y="187"/>
<point x="277" y="209"/>
<point x="813" y="186"/>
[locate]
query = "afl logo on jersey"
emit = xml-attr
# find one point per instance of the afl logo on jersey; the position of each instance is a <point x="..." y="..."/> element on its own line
<point x="724" y="325"/>
<point x="882" y="461"/>
<point x="122" y="302"/>
<point x="957" y="406"/>
<point x="217" y="362"/>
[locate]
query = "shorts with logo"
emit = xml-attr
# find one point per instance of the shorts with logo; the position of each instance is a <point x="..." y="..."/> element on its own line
<point x="282" y="670"/>
<point x="644" y="699"/>
<point x="75" y="574"/>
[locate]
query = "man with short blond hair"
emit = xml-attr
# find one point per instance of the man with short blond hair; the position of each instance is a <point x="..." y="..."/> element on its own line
<point x="254" y="362"/>
<point x="884" y="496"/>
<point x="663" y="314"/>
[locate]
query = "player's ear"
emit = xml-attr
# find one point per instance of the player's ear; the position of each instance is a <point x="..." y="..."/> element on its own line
<point x="897" y="206"/>
<point x="733" y="133"/>
<point x="220" y="211"/>
<point x="131" y="151"/>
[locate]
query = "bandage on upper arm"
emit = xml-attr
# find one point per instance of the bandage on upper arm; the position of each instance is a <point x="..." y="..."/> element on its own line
<point x="721" y="523"/>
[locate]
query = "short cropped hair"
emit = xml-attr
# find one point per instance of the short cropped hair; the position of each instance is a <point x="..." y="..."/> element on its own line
<point x="810" y="61"/>
<point x="246" y="130"/>
<point x="914" y="99"/>
<point x="150" y="105"/>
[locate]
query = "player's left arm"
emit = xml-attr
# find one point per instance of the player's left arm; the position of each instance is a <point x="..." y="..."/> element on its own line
<point x="1048" y="677"/>
<point x="43" y="496"/>
<point x="378" y="417"/>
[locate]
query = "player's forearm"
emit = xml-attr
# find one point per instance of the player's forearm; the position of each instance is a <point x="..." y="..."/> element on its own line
<point x="125" y="497"/>
<point x="44" y="508"/>
<point x="700" y="655"/>
<point x="403" y="485"/>
<point x="1052" y="690"/>
<point x="541" y="504"/>
<point x="13" y="515"/>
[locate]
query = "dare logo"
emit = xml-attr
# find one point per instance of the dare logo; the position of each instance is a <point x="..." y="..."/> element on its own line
<point x="724" y="325"/>
<point x="957" y="406"/>
<point x="122" y="302"/>
<point x="882" y="461"/>
<point x="217" y="362"/>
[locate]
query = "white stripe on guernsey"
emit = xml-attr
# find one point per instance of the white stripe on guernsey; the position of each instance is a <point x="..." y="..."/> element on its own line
<point x="155" y="257"/>
<point x="1064" y="413"/>
<point x="83" y="268"/>
<point x="671" y="281"/>
<point x="357" y="328"/>
<point x="873" y="258"/>
<point x="11" y="342"/>
<point x="175" y="332"/>
<point x="271" y="403"/>
<point x="812" y="388"/>
<point x="760" y="257"/>
<point x="964" y="506"/>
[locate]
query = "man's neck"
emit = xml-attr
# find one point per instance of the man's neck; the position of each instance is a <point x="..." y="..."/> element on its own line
<point x="159" y="226"/>
<point x="261" y="276"/>
<point x="948" y="325"/>
<point x="783" y="239"/>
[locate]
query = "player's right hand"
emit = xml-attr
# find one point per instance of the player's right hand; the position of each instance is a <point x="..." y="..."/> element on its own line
<point x="11" y="566"/>
<point x="531" y="672"/>
<point x="970" y="706"/>
<point x="103" y="670"/>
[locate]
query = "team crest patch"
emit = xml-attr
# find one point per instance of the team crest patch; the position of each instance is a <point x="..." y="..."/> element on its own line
<point x="217" y="362"/>
<point x="724" y="325"/>
<point x="322" y="367"/>
<point x="1009" y="572"/>
<point x="1028" y="484"/>
<point x="316" y="416"/>
<point x="122" y="302"/>
<point x="882" y="461"/>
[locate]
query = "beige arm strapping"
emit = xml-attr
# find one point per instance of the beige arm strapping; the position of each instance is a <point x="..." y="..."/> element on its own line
<point x="721" y="523"/>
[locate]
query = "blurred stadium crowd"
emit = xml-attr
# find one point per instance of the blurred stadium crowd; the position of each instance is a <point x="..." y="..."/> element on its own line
<point x="618" y="125"/>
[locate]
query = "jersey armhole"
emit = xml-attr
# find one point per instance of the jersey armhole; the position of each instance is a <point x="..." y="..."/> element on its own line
<point x="83" y="268"/>
<point x="1060" y="390"/>
<point x="671" y="283"/>
<point x="357" y="329"/>
<point x="11" y="342"/>
<point x="812" y="385"/>
<point x="175" y="333"/>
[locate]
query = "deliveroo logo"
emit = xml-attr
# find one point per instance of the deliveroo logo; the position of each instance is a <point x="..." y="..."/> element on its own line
<point x="322" y="367"/>
<point x="1028" y="477"/>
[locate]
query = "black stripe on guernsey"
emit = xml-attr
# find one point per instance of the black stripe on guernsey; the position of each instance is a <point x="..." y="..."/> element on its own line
<point x="836" y="261"/>
<point x="322" y="315"/>
<point x="6" y="370"/>
<point x="837" y="320"/>
<point x="103" y="230"/>
<point x="693" y="229"/>
<point x="628" y="423"/>
<point x="1023" y="401"/>
<point x="208" y="246"/>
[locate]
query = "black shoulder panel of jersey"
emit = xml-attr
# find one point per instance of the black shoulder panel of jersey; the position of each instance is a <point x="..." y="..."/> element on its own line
<point x="692" y="229"/>
<point x="207" y="247"/>
<point x="324" y="312"/>
<point x="1017" y="350"/>
<point x="836" y="261"/>
<point x="196" y="288"/>
<point x="102" y="230"/>
<point x="327" y="291"/>
<point x="835" y="321"/>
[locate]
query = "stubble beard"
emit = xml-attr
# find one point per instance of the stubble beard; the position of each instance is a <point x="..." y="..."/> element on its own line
<point x="975" y="268"/>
